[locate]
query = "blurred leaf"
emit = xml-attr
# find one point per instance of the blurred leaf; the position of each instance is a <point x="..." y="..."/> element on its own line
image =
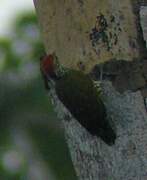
<point x="23" y="99"/>
<point x="52" y="147"/>
<point x="24" y="20"/>
<point x="11" y="59"/>
<point x="5" y="44"/>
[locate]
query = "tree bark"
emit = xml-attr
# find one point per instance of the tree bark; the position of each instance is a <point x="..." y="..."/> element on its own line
<point x="84" y="34"/>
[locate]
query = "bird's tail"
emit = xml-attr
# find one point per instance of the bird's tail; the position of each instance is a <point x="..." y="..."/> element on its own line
<point x="107" y="134"/>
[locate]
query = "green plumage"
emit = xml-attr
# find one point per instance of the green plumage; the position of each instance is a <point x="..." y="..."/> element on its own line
<point x="78" y="93"/>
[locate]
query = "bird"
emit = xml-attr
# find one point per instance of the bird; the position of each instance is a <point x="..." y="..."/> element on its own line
<point x="80" y="96"/>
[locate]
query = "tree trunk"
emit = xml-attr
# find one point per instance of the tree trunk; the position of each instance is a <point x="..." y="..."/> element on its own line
<point x="84" y="34"/>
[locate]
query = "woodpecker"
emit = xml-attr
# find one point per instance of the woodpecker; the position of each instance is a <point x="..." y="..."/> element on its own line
<point x="47" y="68"/>
<point x="80" y="96"/>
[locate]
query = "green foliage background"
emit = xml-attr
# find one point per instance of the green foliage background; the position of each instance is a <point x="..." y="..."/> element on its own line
<point x="27" y="120"/>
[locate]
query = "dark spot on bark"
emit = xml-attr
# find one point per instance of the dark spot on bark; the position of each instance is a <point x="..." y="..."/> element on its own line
<point x="67" y="117"/>
<point x="124" y="75"/>
<point x="81" y="66"/>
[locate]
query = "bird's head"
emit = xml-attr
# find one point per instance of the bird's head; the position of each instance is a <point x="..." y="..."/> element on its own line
<point x="48" y="66"/>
